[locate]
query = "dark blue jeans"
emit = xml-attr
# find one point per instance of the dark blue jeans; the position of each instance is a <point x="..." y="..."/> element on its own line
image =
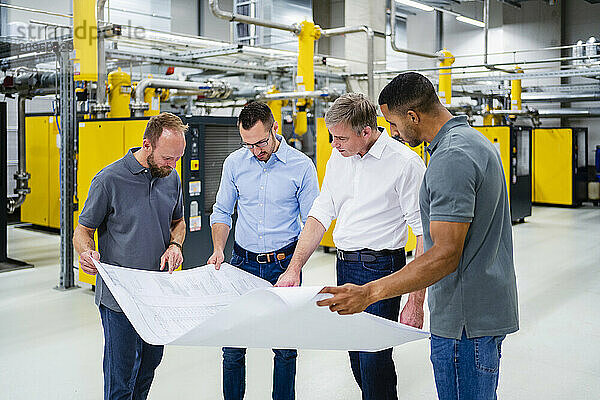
<point x="466" y="369"/>
<point x="374" y="371"/>
<point x="129" y="362"/>
<point x="234" y="359"/>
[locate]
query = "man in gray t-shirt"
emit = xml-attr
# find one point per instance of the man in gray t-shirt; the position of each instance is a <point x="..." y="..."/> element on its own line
<point x="135" y="205"/>
<point x="468" y="259"/>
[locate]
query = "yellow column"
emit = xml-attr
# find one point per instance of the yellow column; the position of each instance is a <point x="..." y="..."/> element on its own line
<point x="305" y="78"/>
<point x="85" y="40"/>
<point x="515" y="91"/>
<point x="445" y="87"/>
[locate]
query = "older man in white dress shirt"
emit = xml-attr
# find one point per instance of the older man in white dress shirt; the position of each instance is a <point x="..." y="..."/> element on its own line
<point x="371" y="186"/>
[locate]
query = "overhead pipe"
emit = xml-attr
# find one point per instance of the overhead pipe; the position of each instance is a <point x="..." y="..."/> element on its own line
<point x="21" y="176"/>
<point x="486" y="26"/>
<point x="232" y="17"/>
<point x="211" y="89"/>
<point x="35" y="10"/>
<point x="552" y="113"/>
<point x="436" y="56"/>
<point x="570" y="112"/>
<point x="558" y="97"/>
<point x="297" y="95"/>
<point x="370" y="49"/>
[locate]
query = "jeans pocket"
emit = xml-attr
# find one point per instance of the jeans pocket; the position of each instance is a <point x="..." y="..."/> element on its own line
<point x="487" y="353"/>
<point x="381" y="267"/>
<point x="236" y="260"/>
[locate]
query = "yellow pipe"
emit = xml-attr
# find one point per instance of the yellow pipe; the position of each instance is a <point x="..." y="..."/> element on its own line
<point x="153" y="99"/>
<point x="276" y="106"/>
<point x="445" y="86"/>
<point x="85" y="40"/>
<point x="119" y="94"/>
<point x="515" y="91"/>
<point x="305" y="78"/>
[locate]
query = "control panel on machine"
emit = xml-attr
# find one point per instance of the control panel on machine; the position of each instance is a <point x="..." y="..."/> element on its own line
<point x="194" y="181"/>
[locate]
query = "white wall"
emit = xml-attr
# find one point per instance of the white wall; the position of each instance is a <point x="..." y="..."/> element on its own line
<point x="583" y="21"/>
<point x="184" y="16"/>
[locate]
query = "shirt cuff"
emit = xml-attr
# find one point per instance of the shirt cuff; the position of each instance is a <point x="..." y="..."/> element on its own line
<point x="88" y="224"/>
<point x="322" y="217"/>
<point x="220" y="219"/>
<point x="450" y="218"/>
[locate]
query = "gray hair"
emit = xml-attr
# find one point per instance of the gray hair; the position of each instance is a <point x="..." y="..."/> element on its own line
<point x="353" y="109"/>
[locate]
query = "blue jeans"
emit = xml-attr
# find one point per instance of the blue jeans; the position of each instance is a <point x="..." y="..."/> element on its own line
<point x="466" y="369"/>
<point x="234" y="359"/>
<point x="129" y="362"/>
<point x="374" y="372"/>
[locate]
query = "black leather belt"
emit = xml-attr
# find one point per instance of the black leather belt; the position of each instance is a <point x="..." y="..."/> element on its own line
<point x="366" y="255"/>
<point x="265" y="258"/>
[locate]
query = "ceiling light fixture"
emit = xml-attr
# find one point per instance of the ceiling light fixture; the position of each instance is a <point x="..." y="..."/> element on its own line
<point x="470" y="21"/>
<point x="414" y="4"/>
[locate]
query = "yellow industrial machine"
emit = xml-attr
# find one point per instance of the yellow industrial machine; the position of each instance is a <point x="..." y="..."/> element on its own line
<point x="514" y="145"/>
<point x="324" y="150"/>
<point x="42" y="205"/>
<point x="559" y="166"/>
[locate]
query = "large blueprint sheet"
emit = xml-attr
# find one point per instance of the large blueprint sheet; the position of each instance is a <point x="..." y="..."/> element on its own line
<point x="230" y="307"/>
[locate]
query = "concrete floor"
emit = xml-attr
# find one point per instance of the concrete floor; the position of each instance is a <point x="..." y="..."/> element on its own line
<point x="51" y="341"/>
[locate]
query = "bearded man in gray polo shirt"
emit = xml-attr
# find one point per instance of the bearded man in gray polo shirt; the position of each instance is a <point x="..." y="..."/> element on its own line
<point x="136" y="206"/>
<point x="468" y="262"/>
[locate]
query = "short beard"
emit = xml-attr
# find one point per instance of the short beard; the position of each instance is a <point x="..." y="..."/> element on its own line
<point x="155" y="170"/>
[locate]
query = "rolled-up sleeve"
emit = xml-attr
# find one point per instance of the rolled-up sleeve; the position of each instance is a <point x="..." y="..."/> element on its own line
<point x="323" y="208"/>
<point x="308" y="191"/>
<point x="407" y="187"/>
<point x="227" y="196"/>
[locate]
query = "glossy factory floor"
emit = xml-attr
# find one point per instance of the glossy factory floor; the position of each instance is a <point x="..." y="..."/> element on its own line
<point x="51" y="341"/>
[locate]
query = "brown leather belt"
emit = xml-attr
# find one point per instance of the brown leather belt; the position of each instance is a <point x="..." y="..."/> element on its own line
<point x="265" y="258"/>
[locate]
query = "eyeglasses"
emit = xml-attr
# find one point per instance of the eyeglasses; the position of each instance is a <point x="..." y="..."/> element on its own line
<point x="259" y="144"/>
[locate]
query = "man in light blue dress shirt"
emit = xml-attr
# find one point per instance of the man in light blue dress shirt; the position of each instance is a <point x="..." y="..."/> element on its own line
<point x="274" y="186"/>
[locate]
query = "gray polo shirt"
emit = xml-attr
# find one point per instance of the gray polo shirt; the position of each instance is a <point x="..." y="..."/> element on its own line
<point x="464" y="182"/>
<point x="132" y="212"/>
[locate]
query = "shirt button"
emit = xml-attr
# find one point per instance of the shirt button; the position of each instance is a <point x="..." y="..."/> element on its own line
<point x="265" y="170"/>
<point x="260" y="205"/>
<point x="262" y="187"/>
<point x="260" y="237"/>
<point x="260" y="221"/>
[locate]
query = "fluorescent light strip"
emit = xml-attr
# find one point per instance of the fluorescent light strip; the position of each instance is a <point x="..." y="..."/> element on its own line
<point x="470" y="21"/>
<point x="414" y="4"/>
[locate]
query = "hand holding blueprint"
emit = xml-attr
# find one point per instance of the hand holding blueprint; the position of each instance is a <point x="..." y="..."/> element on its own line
<point x="230" y="307"/>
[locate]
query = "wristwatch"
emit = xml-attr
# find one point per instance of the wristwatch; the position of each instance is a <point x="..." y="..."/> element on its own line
<point x="178" y="245"/>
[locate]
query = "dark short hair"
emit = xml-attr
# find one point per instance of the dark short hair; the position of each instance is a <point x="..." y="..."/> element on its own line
<point x="409" y="91"/>
<point x="254" y="112"/>
<point x="157" y="123"/>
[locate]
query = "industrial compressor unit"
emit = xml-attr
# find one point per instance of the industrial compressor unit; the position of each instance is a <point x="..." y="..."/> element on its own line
<point x="514" y="145"/>
<point x="559" y="166"/>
